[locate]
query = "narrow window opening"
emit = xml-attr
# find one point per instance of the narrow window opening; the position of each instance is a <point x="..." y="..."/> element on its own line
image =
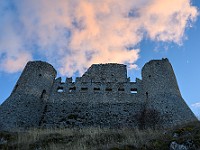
<point x="147" y="94"/>
<point x="60" y="89"/>
<point x="133" y="91"/>
<point x="121" y="89"/>
<point x="108" y="89"/>
<point x="96" y="89"/>
<point x="43" y="94"/>
<point x="84" y="89"/>
<point x="72" y="89"/>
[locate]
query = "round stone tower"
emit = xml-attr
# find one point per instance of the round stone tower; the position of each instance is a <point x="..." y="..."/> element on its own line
<point x="25" y="106"/>
<point x="36" y="79"/>
<point x="162" y="93"/>
<point x="159" y="78"/>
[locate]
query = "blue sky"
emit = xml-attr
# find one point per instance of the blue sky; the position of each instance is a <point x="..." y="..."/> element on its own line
<point x="128" y="32"/>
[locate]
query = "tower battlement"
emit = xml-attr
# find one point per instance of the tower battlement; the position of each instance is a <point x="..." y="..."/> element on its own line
<point x="104" y="96"/>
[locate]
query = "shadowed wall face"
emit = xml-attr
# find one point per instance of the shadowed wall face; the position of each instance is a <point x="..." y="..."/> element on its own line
<point x="36" y="77"/>
<point x="105" y="73"/>
<point x="162" y="93"/>
<point x="103" y="96"/>
<point x="24" y="107"/>
<point x="158" y="78"/>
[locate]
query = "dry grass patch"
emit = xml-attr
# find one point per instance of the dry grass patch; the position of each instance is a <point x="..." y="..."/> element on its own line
<point x="97" y="138"/>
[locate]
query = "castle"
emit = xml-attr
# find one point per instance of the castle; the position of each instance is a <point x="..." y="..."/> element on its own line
<point x="102" y="97"/>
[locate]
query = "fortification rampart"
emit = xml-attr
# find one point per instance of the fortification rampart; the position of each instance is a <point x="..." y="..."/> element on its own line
<point x="103" y="96"/>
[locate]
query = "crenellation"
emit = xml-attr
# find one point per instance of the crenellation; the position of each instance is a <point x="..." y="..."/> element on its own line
<point x="95" y="86"/>
<point x="58" y="80"/>
<point x="103" y="96"/>
<point x="68" y="80"/>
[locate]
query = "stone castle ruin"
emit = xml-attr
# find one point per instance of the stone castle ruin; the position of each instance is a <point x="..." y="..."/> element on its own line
<point x="102" y="97"/>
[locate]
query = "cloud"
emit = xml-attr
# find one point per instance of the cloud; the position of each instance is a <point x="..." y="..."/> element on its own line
<point x="196" y="105"/>
<point x="15" y="63"/>
<point x="196" y="109"/>
<point x="74" y="34"/>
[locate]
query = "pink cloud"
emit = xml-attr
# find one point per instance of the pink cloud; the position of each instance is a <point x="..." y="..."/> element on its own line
<point x="15" y="63"/>
<point x="74" y="34"/>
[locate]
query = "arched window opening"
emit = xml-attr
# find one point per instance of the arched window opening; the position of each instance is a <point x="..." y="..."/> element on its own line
<point x="133" y="91"/>
<point x="60" y="89"/>
<point x="72" y="89"/>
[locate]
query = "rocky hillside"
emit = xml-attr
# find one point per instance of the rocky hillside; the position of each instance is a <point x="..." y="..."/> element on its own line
<point x="185" y="137"/>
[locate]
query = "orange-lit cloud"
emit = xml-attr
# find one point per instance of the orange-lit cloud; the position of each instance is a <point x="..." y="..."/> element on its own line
<point x="73" y="34"/>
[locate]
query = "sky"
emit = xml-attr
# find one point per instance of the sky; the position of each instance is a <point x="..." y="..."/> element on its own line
<point x="73" y="34"/>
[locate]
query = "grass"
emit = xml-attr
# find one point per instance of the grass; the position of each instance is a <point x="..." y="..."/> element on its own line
<point x="98" y="138"/>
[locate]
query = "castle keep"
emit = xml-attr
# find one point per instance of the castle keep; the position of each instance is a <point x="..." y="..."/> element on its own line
<point x="103" y="96"/>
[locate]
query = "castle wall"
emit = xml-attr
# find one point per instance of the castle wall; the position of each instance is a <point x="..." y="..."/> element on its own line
<point x="75" y="90"/>
<point x="103" y="96"/>
<point x="82" y="114"/>
<point x="105" y="104"/>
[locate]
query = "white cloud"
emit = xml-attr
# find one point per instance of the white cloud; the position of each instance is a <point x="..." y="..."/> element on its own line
<point x="73" y="34"/>
<point x="196" y="109"/>
<point x="196" y="105"/>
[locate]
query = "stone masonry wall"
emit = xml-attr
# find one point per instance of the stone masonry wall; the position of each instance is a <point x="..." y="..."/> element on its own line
<point x="163" y="94"/>
<point x="24" y="107"/>
<point x="103" y="96"/>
